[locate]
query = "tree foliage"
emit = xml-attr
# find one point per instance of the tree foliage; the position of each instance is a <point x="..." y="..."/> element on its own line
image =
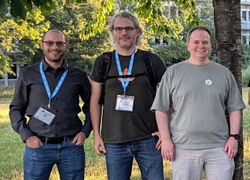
<point x="207" y="20"/>
<point x="154" y="14"/>
<point x="78" y="19"/>
<point x="20" y="38"/>
<point x="173" y="52"/>
<point x="72" y="19"/>
<point x="153" y="11"/>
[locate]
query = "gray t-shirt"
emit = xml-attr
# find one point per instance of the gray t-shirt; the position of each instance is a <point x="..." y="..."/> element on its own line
<point x="199" y="96"/>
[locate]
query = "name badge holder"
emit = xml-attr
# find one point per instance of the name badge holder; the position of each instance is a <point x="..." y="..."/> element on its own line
<point x="124" y="102"/>
<point x="44" y="113"/>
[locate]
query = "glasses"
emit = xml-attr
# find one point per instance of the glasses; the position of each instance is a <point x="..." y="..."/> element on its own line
<point x="128" y="29"/>
<point x="51" y="43"/>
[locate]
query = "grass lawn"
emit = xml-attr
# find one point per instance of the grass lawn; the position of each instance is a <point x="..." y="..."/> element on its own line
<point x="11" y="152"/>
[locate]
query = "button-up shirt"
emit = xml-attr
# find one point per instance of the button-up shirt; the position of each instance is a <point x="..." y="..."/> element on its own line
<point x="30" y="94"/>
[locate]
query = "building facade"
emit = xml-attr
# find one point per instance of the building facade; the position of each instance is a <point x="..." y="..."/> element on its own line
<point x="245" y="21"/>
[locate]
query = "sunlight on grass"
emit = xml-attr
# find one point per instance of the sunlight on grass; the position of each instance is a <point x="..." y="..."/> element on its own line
<point x="4" y="113"/>
<point x="247" y="159"/>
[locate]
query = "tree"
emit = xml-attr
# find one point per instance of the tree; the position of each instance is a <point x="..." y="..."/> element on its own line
<point x="155" y="21"/>
<point x="207" y="20"/>
<point x="151" y="10"/>
<point x="173" y="52"/>
<point x="228" y="50"/>
<point x="20" y="38"/>
<point x="72" y="19"/>
<point x="19" y="8"/>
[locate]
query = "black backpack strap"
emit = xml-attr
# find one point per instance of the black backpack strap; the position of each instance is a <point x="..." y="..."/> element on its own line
<point x="127" y="76"/>
<point x="148" y="65"/>
<point x="105" y="66"/>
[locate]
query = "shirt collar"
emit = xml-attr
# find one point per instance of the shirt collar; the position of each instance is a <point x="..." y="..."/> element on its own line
<point x="46" y="65"/>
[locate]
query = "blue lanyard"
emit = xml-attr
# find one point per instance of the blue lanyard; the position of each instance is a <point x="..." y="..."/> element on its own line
<point x="118" y="64"/>
<point x="46" y="85"/>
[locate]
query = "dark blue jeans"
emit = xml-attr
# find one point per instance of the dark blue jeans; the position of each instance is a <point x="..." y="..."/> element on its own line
<point x="69" y="158"/>
<point x="119" y="159"/>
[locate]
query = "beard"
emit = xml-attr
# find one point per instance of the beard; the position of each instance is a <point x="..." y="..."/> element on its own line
<point x="50" y="58"/>
<point x="124" y="45"/>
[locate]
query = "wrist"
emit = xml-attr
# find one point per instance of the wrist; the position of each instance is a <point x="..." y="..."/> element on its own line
<point x="96" y="134"/>
<point x="235" y="136"/>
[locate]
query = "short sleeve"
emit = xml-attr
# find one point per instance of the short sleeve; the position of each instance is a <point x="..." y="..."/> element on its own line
<point x="234" y="99"/>
<point x="162" y="99"/>
<point x="96" y="70"/>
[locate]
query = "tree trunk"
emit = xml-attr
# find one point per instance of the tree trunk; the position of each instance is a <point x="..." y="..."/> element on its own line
<point x="228" y="50"/>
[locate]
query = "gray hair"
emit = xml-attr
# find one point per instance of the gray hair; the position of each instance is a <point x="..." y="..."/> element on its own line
<point x="128" y="15"/>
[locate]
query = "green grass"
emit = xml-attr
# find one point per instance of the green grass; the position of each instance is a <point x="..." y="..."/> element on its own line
<point x="11" y="152"/>
<point x="6" y="93"/>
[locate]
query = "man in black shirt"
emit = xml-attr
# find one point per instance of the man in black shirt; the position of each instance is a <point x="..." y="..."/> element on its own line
<point x="48" y="94"/>
<point x="129" y="128"/>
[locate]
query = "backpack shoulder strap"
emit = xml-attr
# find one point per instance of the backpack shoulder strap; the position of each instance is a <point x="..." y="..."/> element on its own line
<point x="105" y="65"/>
<point x="148" y="65"/>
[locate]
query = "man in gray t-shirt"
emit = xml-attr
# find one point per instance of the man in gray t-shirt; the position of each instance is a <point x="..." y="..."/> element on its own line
<point x="199" y="92"/>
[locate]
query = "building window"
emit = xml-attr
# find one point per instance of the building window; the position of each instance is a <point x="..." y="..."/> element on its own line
<point x="244" y="15"/>
<point x="244" y="39"/>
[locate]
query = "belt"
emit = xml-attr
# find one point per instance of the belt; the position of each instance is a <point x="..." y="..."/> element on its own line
<point x="55" y="140"/>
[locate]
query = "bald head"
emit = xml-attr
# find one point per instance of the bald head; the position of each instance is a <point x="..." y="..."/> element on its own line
<point x="55" y="31"/>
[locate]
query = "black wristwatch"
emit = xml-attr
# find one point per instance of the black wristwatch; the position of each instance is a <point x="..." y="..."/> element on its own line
<point x="236" y="136"/>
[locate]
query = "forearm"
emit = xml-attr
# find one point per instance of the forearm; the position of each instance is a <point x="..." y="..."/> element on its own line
<point x="162" y="120"/>
<point x="95" y="107"/>
<point x="235" y="122"/>
<point x="95" y="112"/>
